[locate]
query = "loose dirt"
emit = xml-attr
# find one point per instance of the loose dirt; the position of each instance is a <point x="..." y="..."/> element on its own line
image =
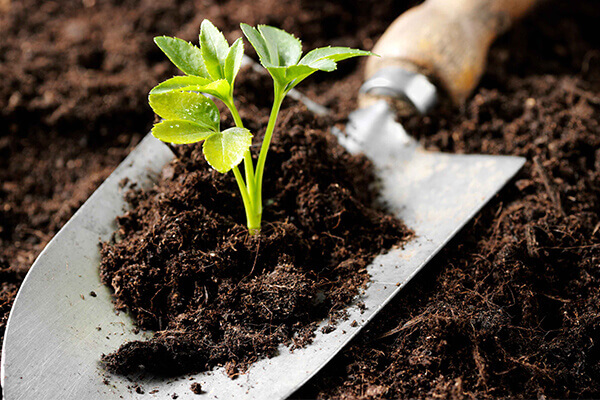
<point x="510" y="308"/>
<point x="185" y="265"/>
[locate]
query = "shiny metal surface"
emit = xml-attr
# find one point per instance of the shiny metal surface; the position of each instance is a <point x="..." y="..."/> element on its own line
<point x="57" y="332"/>
<point x="399" y="83"/>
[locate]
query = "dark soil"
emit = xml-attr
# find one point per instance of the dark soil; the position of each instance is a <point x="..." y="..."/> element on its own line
<point x="73" y="95"/>
<point x="196" y="388"/>
<point x="185" y="265"/>
<point x="510" y="308"/>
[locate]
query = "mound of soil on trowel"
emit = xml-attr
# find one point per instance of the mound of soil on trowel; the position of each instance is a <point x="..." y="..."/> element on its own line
<point x="184" y="264"/>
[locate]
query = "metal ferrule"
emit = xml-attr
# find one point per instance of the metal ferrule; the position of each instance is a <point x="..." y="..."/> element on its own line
<point x="402" y="84"/>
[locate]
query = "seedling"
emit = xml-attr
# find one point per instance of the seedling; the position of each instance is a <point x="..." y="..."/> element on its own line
<point x="189" y="116"/>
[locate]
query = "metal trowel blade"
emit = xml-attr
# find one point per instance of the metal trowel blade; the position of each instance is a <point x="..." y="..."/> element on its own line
<point x="57" y="333"/>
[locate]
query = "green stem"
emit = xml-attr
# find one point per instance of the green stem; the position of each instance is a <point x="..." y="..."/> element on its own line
<point x="252" y="208"/>
<point x="252" y="220"/>
<point x="248" y="164"/>
<point x="262" y="157"/>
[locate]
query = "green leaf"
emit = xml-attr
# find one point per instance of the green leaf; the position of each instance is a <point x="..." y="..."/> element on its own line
<point x="234" y="60"/>
<point x="325" y="58"/>
<point x="214" y="48"/>
<point x="275" y="47"/>
<point x="187" y="106"/>
<point x="297" y="73"/>
<point x="258" y="42"/>
<point x="225" y="150"/>
<point x="284" y="48"/>
<point x="324" y="64"/>
<point x="219" y="88"/>
<point x="280" y="54"/>
<point x="288" y="77"/>
<point x="185" y="56"/>
<point x="279" y="75"/>
<point x="180" y="132"/>
<point x="180" y="83"/>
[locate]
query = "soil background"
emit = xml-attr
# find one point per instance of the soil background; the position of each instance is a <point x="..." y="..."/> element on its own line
<point x="510" y="308"/>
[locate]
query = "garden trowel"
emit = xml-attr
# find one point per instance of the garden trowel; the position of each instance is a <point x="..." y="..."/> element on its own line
<point x="63" y="320"/>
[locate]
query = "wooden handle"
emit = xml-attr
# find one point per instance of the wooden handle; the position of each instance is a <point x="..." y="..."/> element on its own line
<point x="447" y="40"/>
